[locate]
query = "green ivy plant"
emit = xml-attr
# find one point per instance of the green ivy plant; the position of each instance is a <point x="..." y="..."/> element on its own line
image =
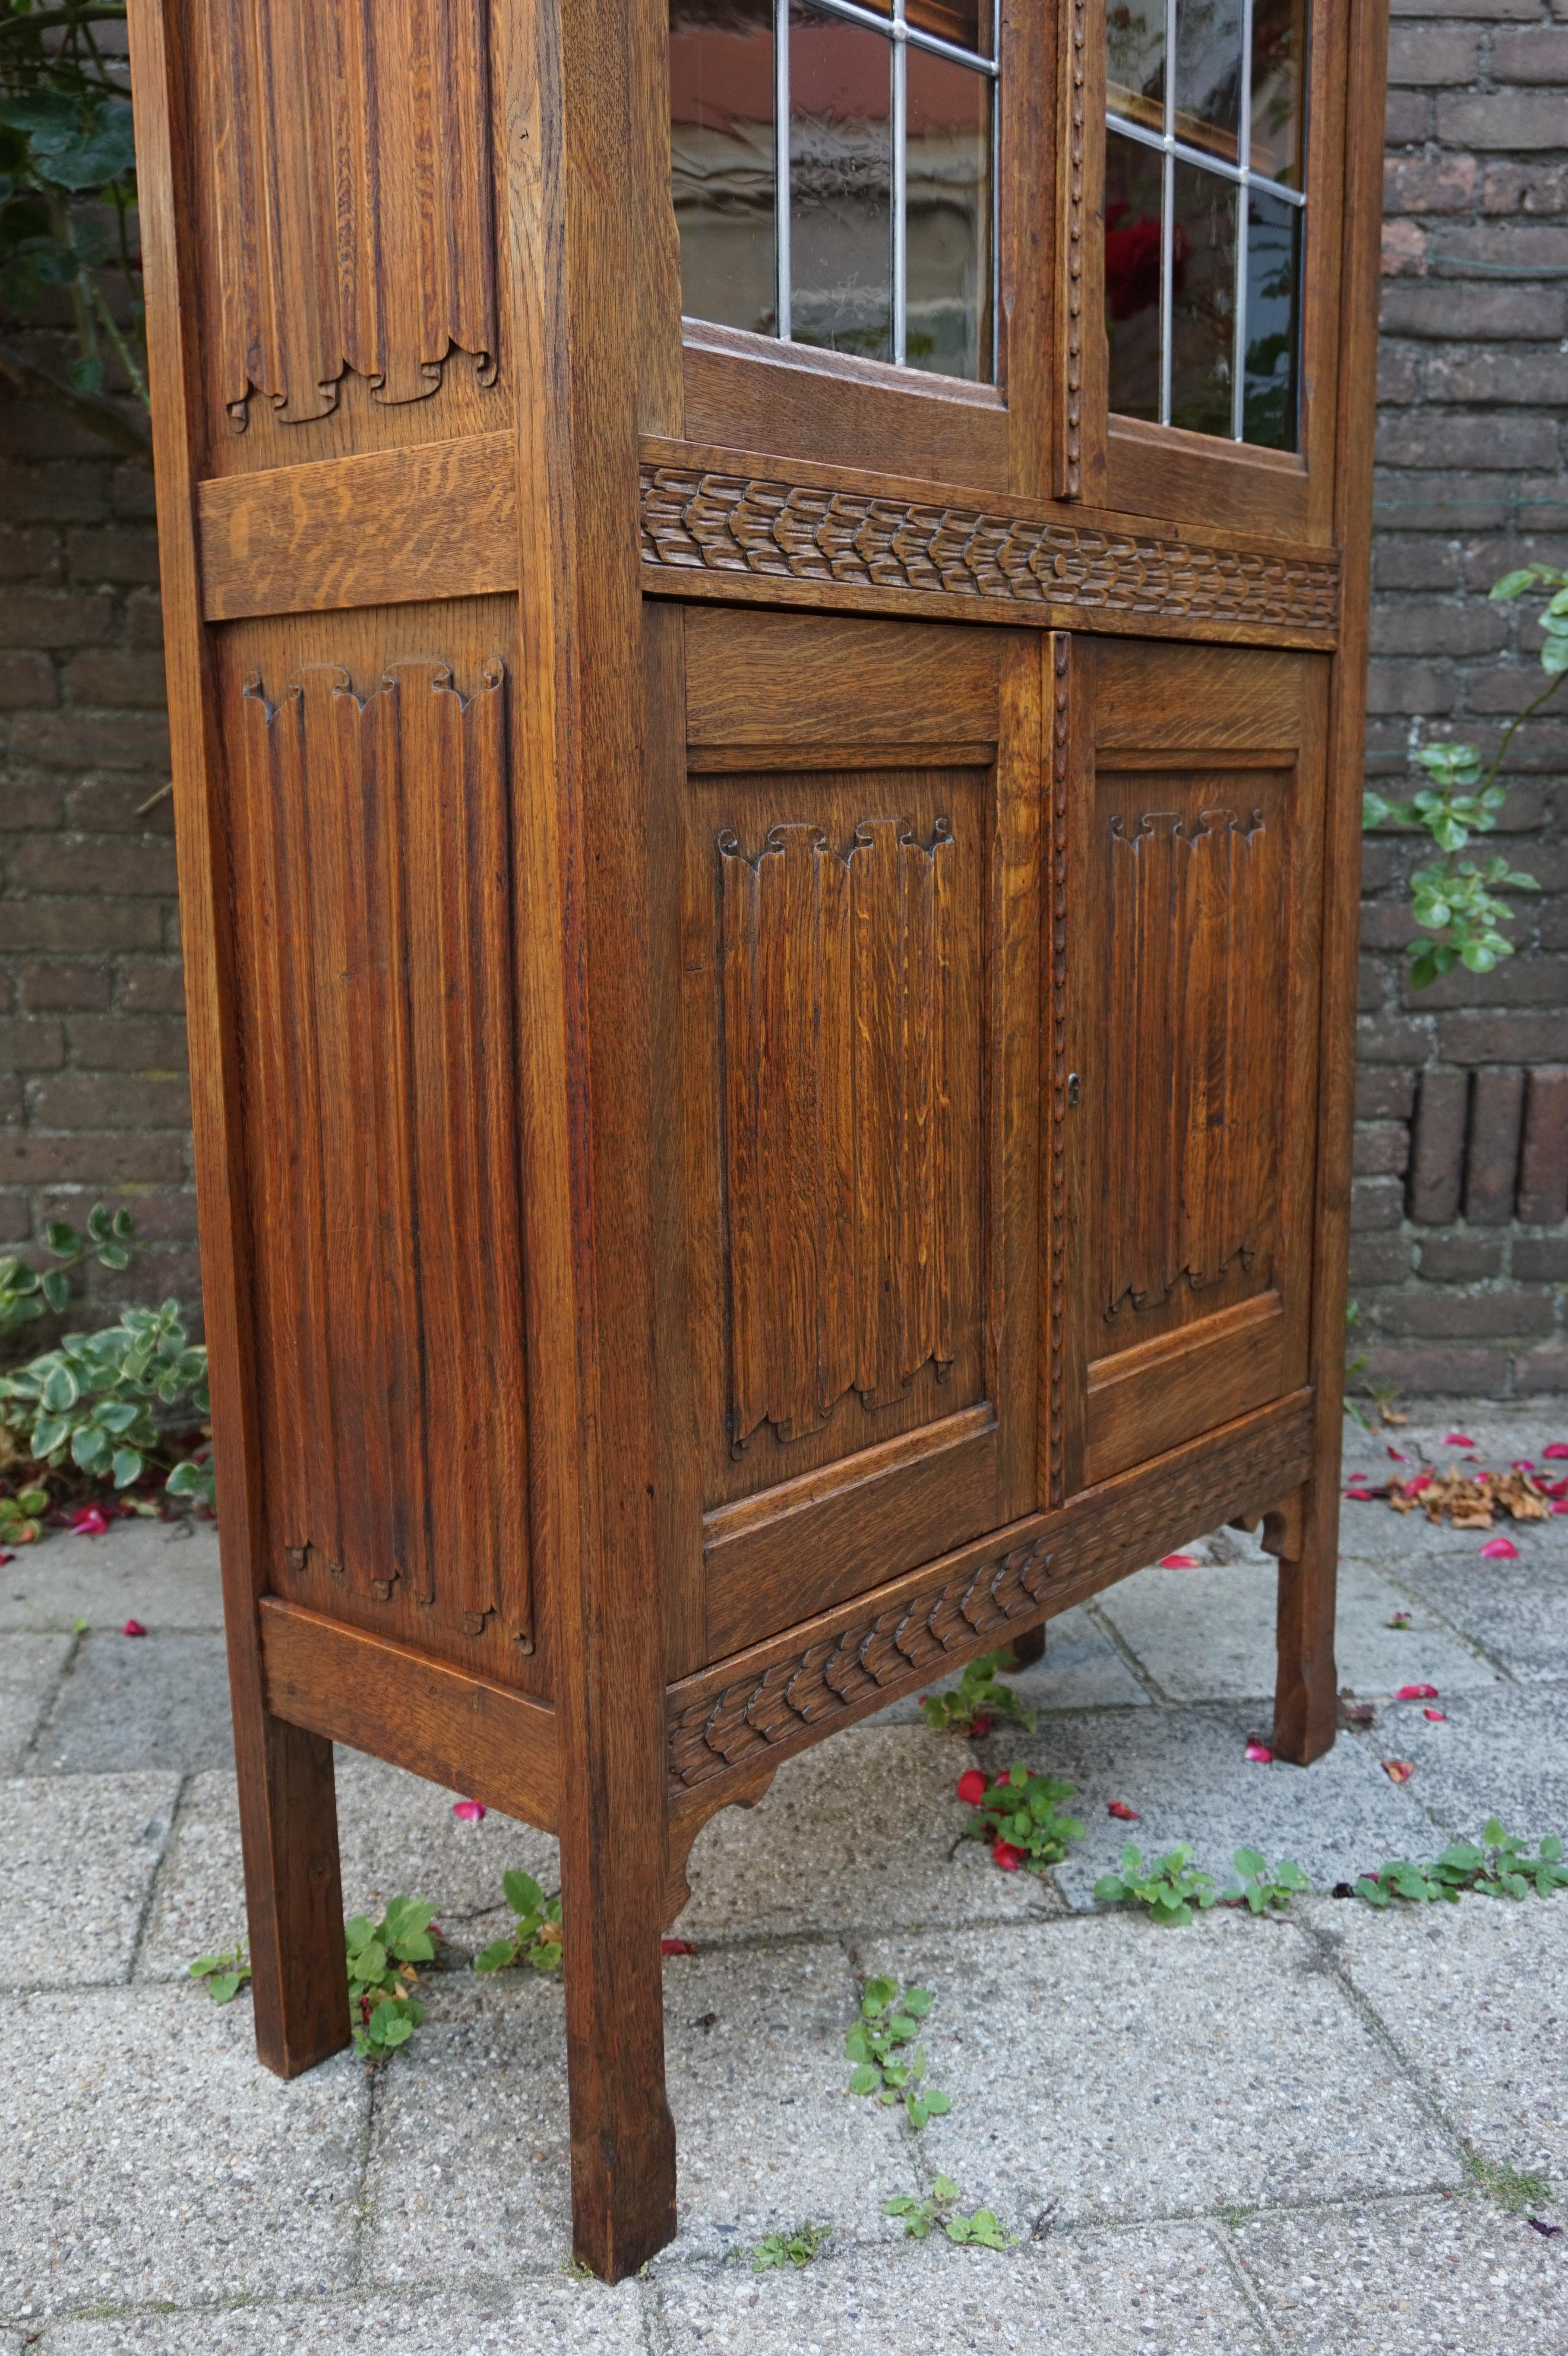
<point x="223" y="1976"/>
<point x="21" y="1515"/>
<point x="1018" y="1812"/>
<point x="68" y="206"/>
<point x="1499" y="1866"/>
<point x="879" y="2046"/>
<point x="1261" y="1884"/>
<point x="981" y="2230"/>
<point x="24" y="1294"/>
<point x="796" y="2249"/>
<point x="1171" y="1888"/>
<point x="1455" y="901"/>
<point x="535" y="1936"/>
<point x="383" y="1959"/>
<point x="979" y="1700"/>
<point x="97" y="1398"/>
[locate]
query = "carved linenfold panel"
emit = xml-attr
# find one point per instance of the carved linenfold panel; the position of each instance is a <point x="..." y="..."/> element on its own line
<point x="695" y="520"/>
<point x="372" y="883"/>
<point x="353" y="209"/>
<point x="1196" y="927"/>
<point x="837" y="1018"/>
<point x="720" y="1720"/>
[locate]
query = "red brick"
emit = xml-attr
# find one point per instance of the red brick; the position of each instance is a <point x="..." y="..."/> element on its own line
<point x="145" y="621"/>
<point x="119" y="806"/>
<point x="131" y="491"/>
<point x="1415" y="625"/>
<point x="146" y="989"/>
<point x="1386" y="924"/>
<point x="1540" y="55"/>
<point x="1429" y="184"/>
<point x="1407" y="117"/>
<point x="1384" y="1096"/>
<point x="28" y="803"/>
<point x="1390" y="1039"/>
<point x="1437" y="1146"/>
<point x="31" y="925"/>
<point x="1516" y="982"/>
<point x="1452" y="1373"/>
<point x="114" y="554"/>
<point x="13" y="1105"/>
<point x="128" y="1042"/>
<point x="66" y="988"/>
<point x="1381" y="1150"/>
<point x="133" y="679"/>
<point x="1544" y="1369"/>
<point x="1481" y="377"/>
<point x="69" y="864"/>
<point x="90" y="1160"/>
<point x="1498" y="1038"/>
<point x="1543" y="1155"/>
<point x="1424" y="55"/>
<point x="54" y="618"/>
<point x="62" y="493"/>
<point x="1441" y="1315"/>
<point x="1449" y="309"/>
<point x="1540" y="1260"/>
<point x="29" y="1043"/>
<point x="27" y="679"/>
<point x="97" y="1100"/>
<point x="16" y="1219"/>
<point x="1416" y="688"/>
<point x="73" y="740"/>
<point x="162" y="1217"/>
<point x="1375" y="1203"/>
<point x="1379" y="1260"/>
<point x="1491" y="1163"/>
<point x="29" y="555"/>
<point x="1525" y="188"/>
<point x="1461" y="1260"/>
<point x="1512" y="118"/>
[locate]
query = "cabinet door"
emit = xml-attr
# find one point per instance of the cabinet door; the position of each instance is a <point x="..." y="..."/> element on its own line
<point x="858" y="815"/>
<point x="1197" y="816"/>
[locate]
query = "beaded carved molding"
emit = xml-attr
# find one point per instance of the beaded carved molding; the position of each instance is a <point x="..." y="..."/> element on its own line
<point x="694" y="520"/>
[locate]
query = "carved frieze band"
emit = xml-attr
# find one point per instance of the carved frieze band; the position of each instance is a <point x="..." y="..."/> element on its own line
<point x="737" y="1722"/>
<point x="697" y="521"/>
<point x="352" y="205"/>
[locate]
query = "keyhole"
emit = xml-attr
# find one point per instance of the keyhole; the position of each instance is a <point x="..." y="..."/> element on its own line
<point x="1073" y="1089"/>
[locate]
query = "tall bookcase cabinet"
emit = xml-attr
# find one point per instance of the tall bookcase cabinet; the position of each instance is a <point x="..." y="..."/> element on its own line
<point x="766" y="610"/>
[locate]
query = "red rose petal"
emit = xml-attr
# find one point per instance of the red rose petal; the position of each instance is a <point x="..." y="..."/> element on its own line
<point x="133" y="1628"/>
<point x="1399" y="1456"/>
<point x="979" y="1728"/>
<point x="1435" y="1713"/>
<point x="677" y="1946"/>
<point x="1500" y="1550"/>
<point x="5" y="1556"/>
<point x="972" y="1786"/>
<point x="89" y="1522"/>
<point x="469" y="1812"/>
<point x="1457" y="1440"/>
<point x="1179" y="1562"/>
<point x="1416" y="1693"/>
<point x="1361" y="1496"/>
<point x="1009" y="1857"/>
<point x="1120" y="1809"/>
<point x="1399" y="1771"/>
<point x="1521" y="1464"/>
<point x="1556" y="1448"/>
<point x="1260" y="1754"/>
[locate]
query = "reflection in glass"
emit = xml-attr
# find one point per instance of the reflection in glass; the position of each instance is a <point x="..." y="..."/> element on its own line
<point x="947" y="172"/>
<point x="1135" y="61"/>
<point x="1209" y="75"/>
<point x="966" y="23"/>
<point x="721" y="160"/>
<point x="1202" y="300"/>
<point x="840" y="155"/>
<point x="1279" y="51"/>
<point x="1133" y="175"/>
<point x="1274" y="338"/>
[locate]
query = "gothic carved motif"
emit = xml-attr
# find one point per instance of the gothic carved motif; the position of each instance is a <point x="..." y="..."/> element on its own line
<point x="371" y="855"/>
<point x="836" y="984"/>
<point x="352" y="211"/>
<point x="1196" y="929"/>
<point x="718" y="1721"/>
<point x="695" y="520"/>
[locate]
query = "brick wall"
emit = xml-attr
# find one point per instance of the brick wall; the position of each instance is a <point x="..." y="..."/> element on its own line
<point x="1461" y="1250"/>
<point x="1459" y="1263"/>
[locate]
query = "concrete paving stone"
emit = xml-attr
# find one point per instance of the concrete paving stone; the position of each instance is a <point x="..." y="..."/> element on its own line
<point x="1081" y="1670"/>
<point x="396" y="1833"/>
<point x="31" y="1669"/>
<point x="140" y="1701"/>
<point x="1187" y="1774"/>
<point x="164" y="1574"/>
<point x="77" y="1855"/>
<point x="1475" y="1996"/>
<point x="1406" y="2278"/>
<point x="1516" y="1611"/>
<point x="1208" y="1635"/>
<point x="148" y="2156"/>
<point x="1495" y="1754"/>
<point x="1102" y="2071"/>
<point x="864" y="1828"/>
<point x="570" y="2318"/>
<point x="1155" y="2293"/>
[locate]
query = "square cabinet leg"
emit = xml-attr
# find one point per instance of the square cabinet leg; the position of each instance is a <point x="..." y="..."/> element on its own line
<point x="1305" y="1709"/>
<point x="293" y="1892"/>
<point x="1029" y="1648"/>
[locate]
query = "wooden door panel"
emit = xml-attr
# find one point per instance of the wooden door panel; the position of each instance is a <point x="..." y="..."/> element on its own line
<point x="1199" y="777"/>
<point x="859" y="817"/>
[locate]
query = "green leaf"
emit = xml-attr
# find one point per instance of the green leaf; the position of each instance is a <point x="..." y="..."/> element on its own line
<point x="523" y="1893"/>
<point x="865" y="2079"/>
<point x="127" y="1467"/>
<point x="937" y="2102"/>
<point x="1513" y="585"/>
<point x="876" y="1996"/>
<point x="495" y="1956"/>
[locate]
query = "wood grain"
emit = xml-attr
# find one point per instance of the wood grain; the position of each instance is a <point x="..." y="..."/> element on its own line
<point x="486" y="1740"/>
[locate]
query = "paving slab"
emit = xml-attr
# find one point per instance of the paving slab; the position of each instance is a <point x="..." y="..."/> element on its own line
<point x="1187" y="1774"/>
<point x="1475" y="1996"/>
<point x="148" y="2156"/>
<point x="1494" y="1754"/>
<point x="1516" y="1611"/>
<point x="1209" y="1633"/>
<point x="570" y="2318"/>
<point x="1153" y="2293"/>
<point x="1081" y="1670"/>
<point x="1406" y="2278"/>
<point x="164" y="1574"/>
<point x="397" y="1833"/>
<point x="1106" y="2071"/>
<point x="140" y="1701"/>
<point x="77" y="1855"/>
<point x="863" y="1829"/>
<point x="31" y="1669"/>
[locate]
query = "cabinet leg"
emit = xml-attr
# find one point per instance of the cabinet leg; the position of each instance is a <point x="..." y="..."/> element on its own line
<point x="294" y="1892"/>
<point x="1306" y="1708"/>
<point x="1029" y="1648"/>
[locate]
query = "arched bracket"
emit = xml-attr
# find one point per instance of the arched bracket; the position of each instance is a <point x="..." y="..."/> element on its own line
<point x="698" y="1809"/>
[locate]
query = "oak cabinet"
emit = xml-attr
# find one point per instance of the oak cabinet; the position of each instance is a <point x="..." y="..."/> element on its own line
<point x="766" y="616"/>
